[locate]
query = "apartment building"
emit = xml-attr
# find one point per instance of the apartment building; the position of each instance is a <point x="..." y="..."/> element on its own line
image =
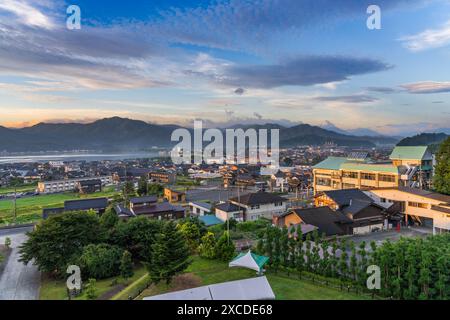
<point x="68" y="184"/>
<point x="408" y="166"/>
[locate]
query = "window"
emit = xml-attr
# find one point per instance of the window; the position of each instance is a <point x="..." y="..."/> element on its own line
<point x="350" y="174"/>
<point x="349" y="186"/>
<point x="368" y="176"/>
<point x="323" y="182"/>
<point x="418" y="205"/>
<point x="387" y="178"/>
<point x="255" y="207"/>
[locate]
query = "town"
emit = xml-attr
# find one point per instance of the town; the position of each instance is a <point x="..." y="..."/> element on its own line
<point x="340" y="197"/>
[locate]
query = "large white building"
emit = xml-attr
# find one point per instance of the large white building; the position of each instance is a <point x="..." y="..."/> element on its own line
<point x="426" y="208"/>
<point x="68" y="184"/>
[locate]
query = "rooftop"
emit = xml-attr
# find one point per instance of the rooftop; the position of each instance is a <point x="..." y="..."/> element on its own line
<point x="258" y="198"/>
<point x="343" y="163"/>
<point x="346" y="196"/>
<point x="409" y="153"/>
<point x="85" y="204"/>
<point x="325" y="219"/>
<point x="147" y="199"/>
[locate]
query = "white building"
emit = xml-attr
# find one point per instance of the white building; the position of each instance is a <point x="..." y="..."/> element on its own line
<point x="251" y="207"/>
<point x="199" y="209"/>
<point x="68" y="184"/>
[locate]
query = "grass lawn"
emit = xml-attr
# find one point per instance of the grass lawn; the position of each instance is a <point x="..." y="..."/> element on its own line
<point x="204" y="272"/>
<point x="29" y="209"/>
<point x="52" y="289"/>
<point x="25" y="188"/>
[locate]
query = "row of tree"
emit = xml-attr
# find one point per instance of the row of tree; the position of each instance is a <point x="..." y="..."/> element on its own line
<point x="411" y="268"/>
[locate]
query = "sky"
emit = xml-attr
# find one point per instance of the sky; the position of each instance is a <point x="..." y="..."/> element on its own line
<point x="228" y="62"/>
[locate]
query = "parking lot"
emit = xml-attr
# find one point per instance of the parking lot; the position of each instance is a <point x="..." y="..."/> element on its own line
<point x="392" y="235"/>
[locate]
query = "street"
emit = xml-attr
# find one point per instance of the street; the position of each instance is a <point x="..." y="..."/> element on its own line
<point x="18" y="281"/>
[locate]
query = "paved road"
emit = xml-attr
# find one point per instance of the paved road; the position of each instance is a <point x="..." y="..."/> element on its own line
<point x="18" y="282"/>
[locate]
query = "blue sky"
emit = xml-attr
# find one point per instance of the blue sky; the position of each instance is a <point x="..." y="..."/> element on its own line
<point x="228" y="62"/>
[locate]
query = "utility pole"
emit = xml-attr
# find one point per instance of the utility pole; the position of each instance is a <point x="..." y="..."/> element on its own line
<point x="15" y="203"/>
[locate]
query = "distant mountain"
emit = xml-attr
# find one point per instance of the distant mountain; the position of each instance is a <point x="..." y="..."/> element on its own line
<point x="360" y="132"/>
<point x="119" y="134"/>
<point x="423" y="139"/>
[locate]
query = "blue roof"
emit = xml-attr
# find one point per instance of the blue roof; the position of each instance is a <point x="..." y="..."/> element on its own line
<point x="210" y="220"/>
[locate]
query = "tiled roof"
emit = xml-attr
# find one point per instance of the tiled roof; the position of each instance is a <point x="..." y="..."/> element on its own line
<point x="146" y="199"/>
<point x="228" y="207"/>
<point x="85" y="204"/>
<point x="323" y="218"/>
<point x="345" y="196"/>
<point x="258" y="198"/>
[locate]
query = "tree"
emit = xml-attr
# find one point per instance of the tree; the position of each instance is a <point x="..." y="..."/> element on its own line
<point x="343" y="263"/>
<point x="58" y="241"/>
<point x="225" y="249"/>
<point x="137" y="236"/>
<point x="142" y="189"/>
<point x="91" y="290"/>
<point x="191" y="233"/>
<point x="207" y="247"/>
<point x="100" y="261"/>
<point x="441" y="181"/>
<point x="155" y="189"/>
<point x="109" y="219"/>
<point x="126" y="265"/>
<point x="170" y="254"/>
<point x="300" y="261"/>
<point x="8" y="242"/>
<point x="128" y="190"/>
<point x="353" y="262"/>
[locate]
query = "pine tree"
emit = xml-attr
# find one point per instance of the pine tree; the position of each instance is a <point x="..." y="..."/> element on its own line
<point x="126" y="265"/>
<point x="170" y="254"/>
<point x="300" y="260"/>
<point x="442" y="169"/>
<point x="353" y="262"/>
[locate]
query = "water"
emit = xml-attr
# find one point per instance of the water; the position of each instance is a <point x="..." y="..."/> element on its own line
<point x="76" y="157"/>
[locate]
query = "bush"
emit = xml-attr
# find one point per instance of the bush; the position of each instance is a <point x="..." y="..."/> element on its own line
<point x="100" y="261"/>
<point x="225" y="249"/>
<point x="207" y="247"/>
<point x="91" y="290"/>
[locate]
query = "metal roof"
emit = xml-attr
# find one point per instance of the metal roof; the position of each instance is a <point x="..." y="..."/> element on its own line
<point x="341" y="163"/>
<point x="210" y="220"/>
<point x="249" y="289"/>
<point x="85" y="204"/>
<point x="408" y="153"/>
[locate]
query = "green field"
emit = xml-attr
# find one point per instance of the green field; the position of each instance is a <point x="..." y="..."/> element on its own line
<point x="56" y="289"/>
<point x="29" y="209"/>
<point x="205" y="272"/>
<point x="25" y="188"/>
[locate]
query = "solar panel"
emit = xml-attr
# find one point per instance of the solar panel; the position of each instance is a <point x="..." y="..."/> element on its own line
<point x="357" y="155"/>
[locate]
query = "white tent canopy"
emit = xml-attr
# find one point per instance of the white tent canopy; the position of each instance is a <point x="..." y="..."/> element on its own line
<point x="250" y="261"/>
<point x="248" y="289"/>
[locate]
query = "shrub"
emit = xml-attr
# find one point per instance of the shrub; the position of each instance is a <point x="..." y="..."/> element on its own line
<point x="100" y="261"/>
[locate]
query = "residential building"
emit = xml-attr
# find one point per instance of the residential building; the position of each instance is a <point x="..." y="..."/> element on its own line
<point x="366" y="215"/>
<point x="227" y="210"/>
<point x="160" y="211"/>
<point x="163" y="177"/>
<point x="174" y="196"/>
<point x="326" y="221"/>
<point x="199" y="209"/>
<point x="98" y="205"/>
<point x="89" y="186"/>
<point x="139" y="202"/>
<point x="251" y="207"/>
<point x="68" y="184"/>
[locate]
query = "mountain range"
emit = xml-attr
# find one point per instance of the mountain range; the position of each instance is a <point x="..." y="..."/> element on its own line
<point x="120" y="134"/>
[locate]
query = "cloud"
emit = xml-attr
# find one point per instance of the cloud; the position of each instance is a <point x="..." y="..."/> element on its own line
<point x="26" y="13"/>
<point x="239" y="91"/>
<point x="427" y="87"/>
<point x="358" y="98"/>
<point x="252" y="24"/>
<point x="386" y="90"/>
<point x="428" y="39"/>
<point x="302" y="71"/>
